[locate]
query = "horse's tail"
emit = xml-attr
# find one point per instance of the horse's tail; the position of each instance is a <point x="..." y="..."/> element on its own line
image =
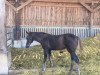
<point x="80" y="44"/>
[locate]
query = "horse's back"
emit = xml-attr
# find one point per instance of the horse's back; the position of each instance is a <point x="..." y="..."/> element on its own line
<point x="58" y="42"/>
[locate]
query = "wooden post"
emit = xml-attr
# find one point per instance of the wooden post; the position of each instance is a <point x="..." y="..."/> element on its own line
<point x="17" y="21"/>
<point x="91" y="20"/>
<point x="3" y="49"/>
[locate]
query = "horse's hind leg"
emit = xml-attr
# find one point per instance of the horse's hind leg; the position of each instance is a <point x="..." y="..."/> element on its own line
<point x="75" y="59"/>
<point x="71" y="67"/>
<point x="77" y="69"/>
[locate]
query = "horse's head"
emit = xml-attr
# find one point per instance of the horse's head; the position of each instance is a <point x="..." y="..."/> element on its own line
<point x="29" y="39"/>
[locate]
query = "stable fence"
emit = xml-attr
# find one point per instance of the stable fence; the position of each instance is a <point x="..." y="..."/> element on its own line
<point x="82" y="32"/>
<point x="9" y="36"/>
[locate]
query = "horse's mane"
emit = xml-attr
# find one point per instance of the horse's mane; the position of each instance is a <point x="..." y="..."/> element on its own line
<point x="41" y="33"/>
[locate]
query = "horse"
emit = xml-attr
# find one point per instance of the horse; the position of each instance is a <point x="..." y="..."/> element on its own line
<point x="56" y="42"/>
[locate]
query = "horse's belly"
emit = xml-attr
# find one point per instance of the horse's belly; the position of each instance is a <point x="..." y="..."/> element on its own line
<point x="60" y="47"/>
<point x="57" y="43"/>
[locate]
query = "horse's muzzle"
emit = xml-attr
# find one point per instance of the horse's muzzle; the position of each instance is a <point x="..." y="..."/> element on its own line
<point x="27" y="45"/>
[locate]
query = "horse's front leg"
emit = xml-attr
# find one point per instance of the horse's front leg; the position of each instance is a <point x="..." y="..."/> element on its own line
<point x="50" y="59"/>
<point x="44" y="60"/>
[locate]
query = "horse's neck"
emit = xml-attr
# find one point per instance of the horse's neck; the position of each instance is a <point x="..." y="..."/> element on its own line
<point x="39" y="39"/>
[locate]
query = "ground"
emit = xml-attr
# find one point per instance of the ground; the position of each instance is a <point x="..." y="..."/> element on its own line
<point x="29" y="61"/>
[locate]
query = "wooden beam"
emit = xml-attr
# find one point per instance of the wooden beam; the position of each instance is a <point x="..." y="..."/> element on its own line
<point x="61" y="1"/>
<point x="86" y="6"/>
<point x="9" y="4"/>
<point x="17" y="21"/>
<point x="3" y="48"/>
<point x="64" y="1"/>
<point x="55" y="1"/>
<point x="91" y="20"/>
<point x="97" y="8"/>
<point x="55" y="5"/>
<point x="23" y="5"/>
<point x="58" y="1"/>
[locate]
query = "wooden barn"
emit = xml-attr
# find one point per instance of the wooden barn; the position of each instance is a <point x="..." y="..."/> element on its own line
<point x="79" y="17"/>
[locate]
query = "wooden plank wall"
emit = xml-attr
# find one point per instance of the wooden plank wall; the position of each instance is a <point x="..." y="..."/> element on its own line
<point x="9" y="16"/>
<point x="53" y="14"/>
<point x="96" y="18"/>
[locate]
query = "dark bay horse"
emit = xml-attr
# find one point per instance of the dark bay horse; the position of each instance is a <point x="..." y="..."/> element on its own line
<point x="56" y="42"/>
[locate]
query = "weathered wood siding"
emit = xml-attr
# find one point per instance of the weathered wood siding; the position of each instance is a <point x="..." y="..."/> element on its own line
<point x="53" y="14"/>
<point x="10" y="16"/>
<point x="96" y="18"/>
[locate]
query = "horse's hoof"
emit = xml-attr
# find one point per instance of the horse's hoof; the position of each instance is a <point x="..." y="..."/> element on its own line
<point x="43" y="69"/>
<point x="69" y="73"/>
<point x="51" y="65"/>
<point x="41" y="72"/>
